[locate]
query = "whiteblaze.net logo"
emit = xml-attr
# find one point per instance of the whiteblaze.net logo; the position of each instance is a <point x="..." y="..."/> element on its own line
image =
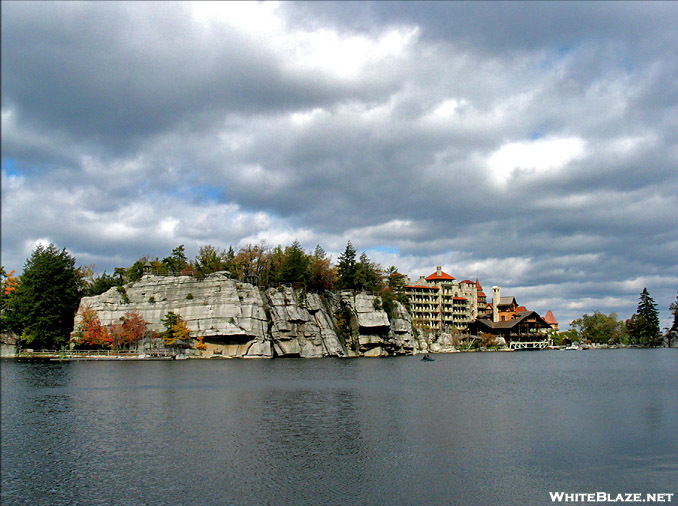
<point x="595" y="497"/>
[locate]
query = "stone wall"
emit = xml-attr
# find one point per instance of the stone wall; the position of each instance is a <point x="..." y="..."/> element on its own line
<point x="238" y="320"/>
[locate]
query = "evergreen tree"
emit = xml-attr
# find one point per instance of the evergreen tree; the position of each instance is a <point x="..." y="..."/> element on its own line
<point x="177" y="262"/>
<point x="295" y="265"/>
<point x="102" y="284"/>
<point x="346" y="268"/>
<point x="674" y="311"/>
<point x="644" y="325"/>
<point x="43" y="306"/>
<point x="368" y="275"/>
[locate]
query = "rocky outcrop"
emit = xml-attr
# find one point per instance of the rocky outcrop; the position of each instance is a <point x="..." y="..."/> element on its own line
<point x="238" y="320"/>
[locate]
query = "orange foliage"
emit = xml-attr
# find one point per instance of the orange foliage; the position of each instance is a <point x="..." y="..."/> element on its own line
<point x="92" y="331"/>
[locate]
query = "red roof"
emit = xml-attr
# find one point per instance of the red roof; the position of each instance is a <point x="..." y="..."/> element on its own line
<point x="481" y="294"/>
<point x="443" y="276"/>
<point x="480" y="288"/>
<point x="469" y="282"/>
<point x="549" y="318"/>
<point x="520" y="309"/>
<point x="459" y="298"/>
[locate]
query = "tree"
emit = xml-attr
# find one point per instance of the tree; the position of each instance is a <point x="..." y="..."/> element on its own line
<point x="674" y="311"/>
<point x="599" y="328"/>
<point x="294" y="268"/>
<point x="91" y="332"/>
<point x="321" y="274"/>
<point x="367" y="275"/>
<point x="643" y="326"/>
<point x="43" y="306"/>
<point x="176" y="262"/>
<point x="103" y="283"/>
<point x="133" y="328"/>
<point x="209" y="260"/>
<point x="176" y="332"/>
<point x="346" y="268"/>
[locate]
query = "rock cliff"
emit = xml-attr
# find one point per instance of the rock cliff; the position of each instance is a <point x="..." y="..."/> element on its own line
<point x="238" y="320"/>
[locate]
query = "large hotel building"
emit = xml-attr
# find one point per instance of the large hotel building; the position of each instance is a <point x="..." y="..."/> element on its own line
<point x="440" y="302"/>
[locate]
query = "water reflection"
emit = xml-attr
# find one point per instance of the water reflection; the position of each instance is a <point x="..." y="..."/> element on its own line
<point x="465" y="429"/>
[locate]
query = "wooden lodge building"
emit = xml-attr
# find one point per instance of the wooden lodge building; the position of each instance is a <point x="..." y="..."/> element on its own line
<point x="527" y="326"/>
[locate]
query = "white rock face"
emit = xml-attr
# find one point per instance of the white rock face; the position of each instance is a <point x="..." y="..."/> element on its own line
<point x="237" y="320"/>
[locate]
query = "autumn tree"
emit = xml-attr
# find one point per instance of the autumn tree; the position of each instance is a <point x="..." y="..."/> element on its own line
<point x="176" y="332"/>
<point x="322" y="276"/>
<point x="133" y="328"/>
<point x="42" y="308"/>
<point x="90" y="332"/>
<point x="251" y="264"/>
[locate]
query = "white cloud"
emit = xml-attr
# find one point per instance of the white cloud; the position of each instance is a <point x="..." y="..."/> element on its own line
<point x="530" y="158"/>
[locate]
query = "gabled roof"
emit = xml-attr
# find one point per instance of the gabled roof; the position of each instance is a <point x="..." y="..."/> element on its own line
<point x="550" y="319"/>
<point x="521" y="309"/>
<point x="509" y="324"/>
<point x="469" y="282"/>
<point x="443" y="277"/>
<point x="506" y="301"/>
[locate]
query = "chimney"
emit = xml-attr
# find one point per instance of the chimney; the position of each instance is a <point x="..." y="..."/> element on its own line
<point x="495" y="303"/>
<point x="439" y="271"/>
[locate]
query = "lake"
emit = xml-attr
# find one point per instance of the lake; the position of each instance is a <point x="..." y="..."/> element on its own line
<point x="468" y="428"/>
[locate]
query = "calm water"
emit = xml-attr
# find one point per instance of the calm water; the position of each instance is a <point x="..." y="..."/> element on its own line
<point x="482" y="428"/>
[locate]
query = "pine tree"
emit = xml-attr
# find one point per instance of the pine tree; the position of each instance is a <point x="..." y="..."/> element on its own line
<point x="674" y="311"/>
<point x="43" y="307"/>
<point x="346" y="268"/>
<point x="295" y="265"/>
<point x="644" y="325"/>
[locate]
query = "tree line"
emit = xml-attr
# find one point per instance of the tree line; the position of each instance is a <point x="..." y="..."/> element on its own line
<point x="641" y="329"/>
<point x="39" y="306"/>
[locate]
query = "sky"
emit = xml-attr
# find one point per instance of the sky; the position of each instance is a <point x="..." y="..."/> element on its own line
<point x="531" y="145"/>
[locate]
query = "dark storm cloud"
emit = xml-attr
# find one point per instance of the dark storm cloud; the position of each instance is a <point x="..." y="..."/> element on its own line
<point x="531" y="144"/>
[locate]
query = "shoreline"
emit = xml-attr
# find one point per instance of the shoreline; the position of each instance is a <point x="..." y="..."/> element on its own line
<point x="107" y="356"/>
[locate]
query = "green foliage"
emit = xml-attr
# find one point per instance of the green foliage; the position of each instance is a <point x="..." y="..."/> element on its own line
<point x="210" y="260"/>
<point x="599" y="328"/>
<point x="103" y="283"/>
<point x="44" y="304"/>
<point x="136" y="272"/>
<point x="176" y="333"/>
<point x="643" y="327"/>
<point x="674" y="311"/>
<point x="177" y="261"/>
<point x="123" y="294"/>
<point x="367" y="275"/>
<point x="346" y="268"/>
<point x="295" y="264"/>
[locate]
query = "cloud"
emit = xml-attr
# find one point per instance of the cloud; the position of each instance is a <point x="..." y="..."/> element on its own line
<point x="539" y="156"/>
